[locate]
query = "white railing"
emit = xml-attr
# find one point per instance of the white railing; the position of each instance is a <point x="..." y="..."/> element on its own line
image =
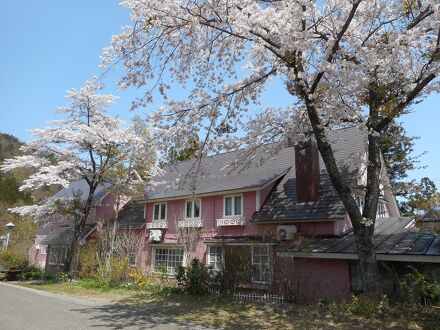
<point x="231" y="222"/>
<point x="259" y="297"/>
<point x="252" y="296"/>
<point x="157" y="225"/>
<point x="190" y="223"/>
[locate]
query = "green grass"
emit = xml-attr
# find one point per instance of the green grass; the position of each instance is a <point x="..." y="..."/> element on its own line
<point x="223" y="312"/>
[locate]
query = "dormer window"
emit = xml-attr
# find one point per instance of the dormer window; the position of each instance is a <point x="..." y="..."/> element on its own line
<point x="233" y="206"/>
<point x="381" y="211"/>
<point x="160" y="212"/>
<point x="193" y="209"/>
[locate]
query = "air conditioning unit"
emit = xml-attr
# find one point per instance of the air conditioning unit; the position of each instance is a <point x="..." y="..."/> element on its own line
<point x="286" y="232"/>
<point x="156" y="236"/>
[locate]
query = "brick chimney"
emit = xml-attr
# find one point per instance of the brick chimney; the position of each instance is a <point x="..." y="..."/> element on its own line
<point x="307" y="171"/>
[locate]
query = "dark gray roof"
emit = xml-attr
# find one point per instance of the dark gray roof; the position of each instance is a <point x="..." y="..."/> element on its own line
<point x="64" y="235"/>
<point x="432" y="216"/>
<point x="131" y="216"/>
<point x="282" y="205"/>
<point x="214" y="177"/>
<point x="80" y="188"/>
<point x="391" y="238"/>
<point x="176" y="181"/>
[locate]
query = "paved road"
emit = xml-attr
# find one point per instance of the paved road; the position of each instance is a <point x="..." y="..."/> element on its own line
<point x="23" y="308"/>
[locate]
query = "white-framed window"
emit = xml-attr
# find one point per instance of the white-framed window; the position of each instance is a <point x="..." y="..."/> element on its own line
<point x="160" y="212"/>
<point x="43" y="250"/>
<point x="216" y="257"/>
<point x="381" y="210"/>
<point x="233" y="205"/>
<point x="193" y="209"/>
<point x="260" y="264"/>
<point x="360" y="200"/>
<point x="57" y="255"/>
<point x="167" y="259"/>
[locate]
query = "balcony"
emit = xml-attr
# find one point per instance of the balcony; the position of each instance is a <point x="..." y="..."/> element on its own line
<point x="193" y="223"/>
<point x="157" y="225"/>
<point x="231" y="222"/>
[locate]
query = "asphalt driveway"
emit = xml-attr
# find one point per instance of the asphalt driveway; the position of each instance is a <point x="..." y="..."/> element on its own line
<point x="24" y="308"/>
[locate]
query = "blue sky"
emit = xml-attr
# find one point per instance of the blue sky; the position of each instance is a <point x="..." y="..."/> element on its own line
<point x="50" y="46"/>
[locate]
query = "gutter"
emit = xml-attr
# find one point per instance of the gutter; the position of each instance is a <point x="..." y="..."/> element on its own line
<point x="354" y="256"/>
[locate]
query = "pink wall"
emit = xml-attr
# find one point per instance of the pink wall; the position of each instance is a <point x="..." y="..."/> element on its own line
<point x="35" y="257"/>
<point x="311" y="280"/>
<point x="212" y="209"/>
<point x="316" y="278"/>
<point x="105" y="211"/>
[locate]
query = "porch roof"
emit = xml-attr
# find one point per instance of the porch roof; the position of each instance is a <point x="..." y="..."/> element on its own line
<point x="393" y="241"/>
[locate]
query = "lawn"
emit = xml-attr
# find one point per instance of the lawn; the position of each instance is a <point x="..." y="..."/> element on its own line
<point x="224" y="312"/>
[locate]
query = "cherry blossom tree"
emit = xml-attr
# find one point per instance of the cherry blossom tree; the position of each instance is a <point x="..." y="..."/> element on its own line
<point x="88" y="144"/>
<point x="347" y="62"/>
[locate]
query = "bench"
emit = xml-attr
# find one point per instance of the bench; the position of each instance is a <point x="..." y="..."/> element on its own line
<point x="10" y="274"/>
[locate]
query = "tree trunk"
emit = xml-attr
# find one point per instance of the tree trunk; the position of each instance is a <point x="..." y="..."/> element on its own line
<point x="79" y="228"/>
<point x="363" y="224"/>
<point x="109" y="258"/>
<point x="368" y="262"/>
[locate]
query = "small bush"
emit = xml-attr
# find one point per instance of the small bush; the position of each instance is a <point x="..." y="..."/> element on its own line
<point x="417" y="287"/>
<point x="11" y="260"/>
<point x="49" y="277"/>
<point x="362" y="306"/>
<point x="87" y="261"/>
<point x="195" y="278"/>
<point x="32" y="273"/>
<point x="64" y="277"/>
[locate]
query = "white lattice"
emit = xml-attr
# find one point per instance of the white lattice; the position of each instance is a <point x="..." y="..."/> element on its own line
<point x="231" y="222"/>
<point x="156" y="225"/>
<point x="190" y="223"/>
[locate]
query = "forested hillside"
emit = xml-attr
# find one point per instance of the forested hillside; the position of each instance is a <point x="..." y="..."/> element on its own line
<point x="23" y="233"/>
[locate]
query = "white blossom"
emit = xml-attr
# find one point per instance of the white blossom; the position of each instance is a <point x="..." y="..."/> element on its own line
<point x="86" y="144"/>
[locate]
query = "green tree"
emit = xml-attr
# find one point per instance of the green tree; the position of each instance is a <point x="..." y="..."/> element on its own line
<point x="11" y="196"/>
<point x="397" y="149"/>
<point x="191" y="150"/>
<point x="424" y="196"/>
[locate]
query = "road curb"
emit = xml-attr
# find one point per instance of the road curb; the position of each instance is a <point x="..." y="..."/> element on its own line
<point x="81" y="301"/>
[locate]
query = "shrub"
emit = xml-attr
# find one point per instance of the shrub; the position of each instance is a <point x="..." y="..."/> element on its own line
<point x="49" y="277"/>
<point x="195" y="278"/>
<point x="87" y="261"/>
<point x="32" y="273"/>
<point x="11" y="260"/>
<point x="417" y="287"/>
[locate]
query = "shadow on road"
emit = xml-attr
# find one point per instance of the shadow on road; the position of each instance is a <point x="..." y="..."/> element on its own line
<point x="132" y="312"/>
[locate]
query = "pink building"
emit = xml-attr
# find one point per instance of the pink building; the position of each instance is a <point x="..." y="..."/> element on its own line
<point x="55" y="232"/>
<point x="281" y="223"/>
